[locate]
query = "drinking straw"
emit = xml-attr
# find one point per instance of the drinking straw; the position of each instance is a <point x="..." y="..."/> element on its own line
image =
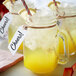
<point x="56" y="6"/>
<point x="55" y="3"/>
<point x="26" y="7"/>
<point x="60" y="17"/>
<point x="11" y="2"/>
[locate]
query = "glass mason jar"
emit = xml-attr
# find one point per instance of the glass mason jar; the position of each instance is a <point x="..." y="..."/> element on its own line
<point x="68" y="26"/>
<point x="40" y="46"/>
<point x="16" y="20"/>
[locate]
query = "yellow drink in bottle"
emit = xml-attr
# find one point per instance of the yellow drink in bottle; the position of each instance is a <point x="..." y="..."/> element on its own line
<point x="39" y="57"/>
<point x="72" y="45"/>
<point x="17" y="20"/>
<point x="70" y="33"/>
<point x="69" y="25"/>
<point x="40" y="46"/>
<point x="40" y="62"/>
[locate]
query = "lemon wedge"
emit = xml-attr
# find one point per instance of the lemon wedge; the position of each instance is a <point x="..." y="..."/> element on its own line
<point x="7" y="3"/>
<point x="23" y="13"/>
<point x="52" y="5"/>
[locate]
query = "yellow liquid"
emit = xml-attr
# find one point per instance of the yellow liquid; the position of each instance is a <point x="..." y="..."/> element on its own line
<point x="71" y="44"/>
<point x="40" y="61"/>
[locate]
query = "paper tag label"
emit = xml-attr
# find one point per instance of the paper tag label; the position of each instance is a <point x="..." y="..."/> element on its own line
<point x="17" y="40"/>
<point x="59" y="22"/>
<point x="4" y="24"/>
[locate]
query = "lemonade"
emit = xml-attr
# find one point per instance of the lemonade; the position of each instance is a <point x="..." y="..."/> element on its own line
<point x="17" y="19"/>
<point x="40" y="46"/>
<point x="69" y="25"/>
<point x="39" y="57"/>
<point x="40" y="61"/>
<point x="16" y="22"/>
<point x="70" y="32"/>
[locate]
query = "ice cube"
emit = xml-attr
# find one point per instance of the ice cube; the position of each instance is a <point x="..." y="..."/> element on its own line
<point x="41" y="38"/>
<point x="44" y="16"/>
<point x="41" y="3"/>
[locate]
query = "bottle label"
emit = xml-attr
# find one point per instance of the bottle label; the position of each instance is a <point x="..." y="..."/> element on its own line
<point x="17" y="40"/>
<point x="59" y="22"/>
<point x="4" y="24"/>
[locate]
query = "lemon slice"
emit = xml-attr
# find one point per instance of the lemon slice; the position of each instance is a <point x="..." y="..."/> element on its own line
<point x="52" y="5"/>
<point x="23" y="13"/>
<point x="7" y="3"/>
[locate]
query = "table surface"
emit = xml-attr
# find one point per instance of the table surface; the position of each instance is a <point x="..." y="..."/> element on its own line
<point x="20" y="70"/>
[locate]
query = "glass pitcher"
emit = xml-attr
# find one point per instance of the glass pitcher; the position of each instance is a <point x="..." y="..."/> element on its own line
<point x="40" y="46"/>
<point x="68" y="26"/>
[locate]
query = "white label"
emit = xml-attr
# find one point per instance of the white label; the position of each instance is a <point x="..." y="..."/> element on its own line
<point x="59" y="22"/>
<point x="17" y="40"/>
<point x="4" y="24"/>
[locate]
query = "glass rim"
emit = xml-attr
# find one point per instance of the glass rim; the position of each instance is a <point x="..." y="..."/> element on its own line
<point x="45" y="27"/>
<point x="51" y="26"/>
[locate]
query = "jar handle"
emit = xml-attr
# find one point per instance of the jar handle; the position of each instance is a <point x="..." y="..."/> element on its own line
<point x="63" y="58"/>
